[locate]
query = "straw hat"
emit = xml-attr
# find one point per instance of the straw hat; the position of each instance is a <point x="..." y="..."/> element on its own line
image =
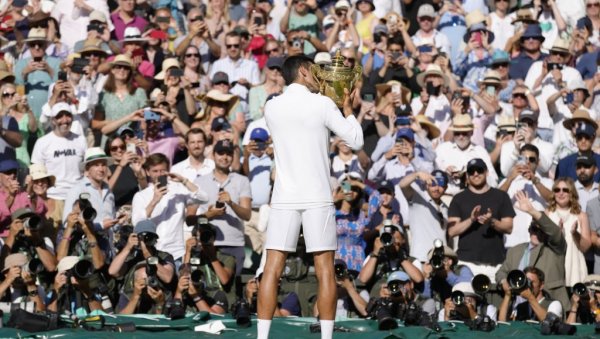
<point x="4" y="73"/>
<point x="580" y="115"/>
<point x="216" y="95"/>
<point x="123" y="60"/>
<point x="38" y="171"/>
<point x="507" y="123"/>
<point x="36" y="34"/>
<point x="166" y="65"/>
<point x="383" y="89"/>
<point x="432" y="130"/>
<point x="461" y="123"/>
<point x="491" y="77"/>
<point x="561" y="46"/>
<point x="432" y="69"/>
<point x="92" y="45"/>
<point x="93" y="154"/>
<point x="525" y="15"/>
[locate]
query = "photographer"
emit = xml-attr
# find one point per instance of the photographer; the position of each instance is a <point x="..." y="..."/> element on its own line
<point x="139" y="247"/>
<point x="442" y="272"/>
<point x="138" y="296"/>
<point x="217" y="269"/>
<point x="532" y="302"/>
<point x="78" y="238"/>
<point x="585" y="302"/>
<point x="467" y="307"/>
<point x="24" y="236"/>
<point x="389" y="255"/>
<point x="288" y="304"/>
<point x="349" y="301"/>
<point x="19" y="282"/>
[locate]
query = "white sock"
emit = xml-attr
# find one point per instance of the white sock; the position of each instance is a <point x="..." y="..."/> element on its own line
<point x="326" y="329"/>
<point x="264" y="326"/>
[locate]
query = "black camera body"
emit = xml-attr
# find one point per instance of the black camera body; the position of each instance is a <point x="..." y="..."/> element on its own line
<point x="241" y="311"/>
<point x="196" y="274"/>
<point x="437" y="256"/>
<point x="340" y="269"/>
<point x="382" y="309"/>
<point x="204" y="231"/>
<point x="554" y="325"/>
<point x="484" y="324"/>
<point x="151" y="271"/>
<point x="88" y="213"/>
<point x="518" y="281"/>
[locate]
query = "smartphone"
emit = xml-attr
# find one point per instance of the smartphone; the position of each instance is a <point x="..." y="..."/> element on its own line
<point x="425" y="49"/>
<point x="261" y="145"/>
<point x="346" y="187"/>
<point x="477" y="37"/>
<point x="552" y="66"/>
<point x="220" y="204"/>
<point x="431" y="89"/>
<point x="297" y="43"/>
<point x="521" y="160"/>
<point x="377" y="38"/>
<point x="62" y="76"/>
<point x="598" y="69"/>
<point x="79" y="64"/>
<point x="37" y="59"/>
<point x="95" y="27"/>
<point x="466" y="103"/>
<point x="162" y="181"/>
<point x="176" y="72"/>
<point x="403" y="121"/>
<point x="568" y="99"/>
<point x="150" y="115"/>
<point x="368" y="97"/>
<point x="491" y="90"/>
<point x="456" y="95"/>
<point x="396" y="89"/>
<point x="396" y="55"/>
<point x="131" y="148"/>
<point x="195" y="84"/>
<point x="258" y="21"/>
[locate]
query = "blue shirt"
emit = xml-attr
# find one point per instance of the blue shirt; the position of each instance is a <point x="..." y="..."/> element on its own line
<point x="520" y="65"/>
<point x="587" y="64"/>
<point x="260" y="179"/>
<point x="566" y="167"/>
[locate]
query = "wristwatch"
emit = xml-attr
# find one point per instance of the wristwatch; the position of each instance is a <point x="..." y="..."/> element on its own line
<point x="535" y="180"/>
<point x="32" y="293"/>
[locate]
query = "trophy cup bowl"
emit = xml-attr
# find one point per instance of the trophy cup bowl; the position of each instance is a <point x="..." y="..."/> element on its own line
<point x="334" y="78"/>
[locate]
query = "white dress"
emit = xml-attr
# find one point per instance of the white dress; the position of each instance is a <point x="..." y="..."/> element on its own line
<point x="575" y="267"/>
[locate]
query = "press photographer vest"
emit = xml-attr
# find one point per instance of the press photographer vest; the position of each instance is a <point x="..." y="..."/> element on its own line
<point x="525" y="312"/>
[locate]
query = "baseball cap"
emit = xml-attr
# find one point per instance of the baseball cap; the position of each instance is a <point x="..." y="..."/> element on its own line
<point x="586" y="129"/>
<point x="8" y="165"/>
<point x="125" y="129"/>
<point x="380" y="29"/>
<point x="15" y="259"/>
<point x="220" y="78"/>
<point x="220" y="124"/>
<point x="585" y="159"/>
<point x="405" y="133"/>
<point x="223" y="146"/>
<point x="58" y="108"/>
<point x="426" y="10"/>
<point x="67" y="263"/>
<point x="466" y="288"/>
<point x="440" y="175"/>
<point x="476" y="163"/>
<point x="528" y="115"/>
<point x="96" y="15"/>
<point x="398" y="275"/>
<point x="22" y="213"/>
<point x="145" y="226"/>
<point x="386" y="187"/>
<point x="259" y="134"/>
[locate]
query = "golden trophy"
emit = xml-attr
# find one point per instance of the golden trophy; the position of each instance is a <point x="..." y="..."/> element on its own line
<point x="334" y="78"/>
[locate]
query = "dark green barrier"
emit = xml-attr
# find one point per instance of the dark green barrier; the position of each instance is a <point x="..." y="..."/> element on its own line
<point x="288" y="328"/>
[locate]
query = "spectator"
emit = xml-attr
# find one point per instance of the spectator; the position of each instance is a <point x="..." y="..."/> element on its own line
<point x="592" y="212"/>
<point x="500" y="22"/>
<point x="19" y="282"/>
<point x="426" y="17"/>
<point x="125" y="17"/>
<point x="408" y="293"/>
<point x="470" y="309"/>
<point x="587" y="189"/>
<point x="198" y="36"/>
<point x="15" y="109"/>
<point x="196" y="164"/>
<point x="126" y="173"/>
<point x="73" y="17"/>
<point x="582" y="308"/>
<point x="480" y="215"/>
<point x="431" y="102"/>
<point x="441" y="280"/>
<point x="531" y="43"/>
<point x="273" y="85"/>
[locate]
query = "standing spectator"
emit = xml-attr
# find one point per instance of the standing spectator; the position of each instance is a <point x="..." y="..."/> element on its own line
<point x="432" y="102"/>
<point x="587" y="189"/>
<point x="124" y="17"/>
<point x="61" y="151"/>
<point x="126" y="173"/>
<point x="480" y="216"/>
<point x="73" y="18"/>
<point x="563" y="139"/>
<point x="38" y="71"/>
<point x="500" y="23"/>
<point x="196" y="164"/>
<point x="10" y="137"/>
<point x="273" y="85"/>
<point x="11" y="194"/>
<point x="298" y="16"/>
<point x="229" y="203"/>
<point x="585" y="134"/>
<point x="15" y="109"/>
<point x="564" y="210"/>
<point x="531" y="44"/>
<point x="426" y="17"/>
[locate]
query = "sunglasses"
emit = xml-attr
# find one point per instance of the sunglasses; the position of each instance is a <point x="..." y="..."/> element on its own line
<point x="532" y="38"/>
<point x="272" y="50"/>
<point x="561" y="189"/>
<point x="121" y="67"/>
<point x="503" y="65"/>
<point x="91" y="54"/>
<point x="116" y="148"/>
<point x="36" y="45"/>
<point x="464" y="134"/>
<point x="473" y="170"/>
<point x="586" y="166"/>
<point x="531" y="160"/>
<point x="561" y="54"/>
<point x="350" y="60"/>
<point x="595" y="4"/>
<point x="192" y="55"/>
<point x="275" y="69"/>
<point x="425" y="18"/>
<point x="232" y="46"/>
<point x="582" y="136"/>
<point x="519" y="96"/>
<point x="8" y="94"/>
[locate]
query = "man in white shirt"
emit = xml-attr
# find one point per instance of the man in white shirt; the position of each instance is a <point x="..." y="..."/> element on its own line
<point x="526" y="134"/>
<point x="165" y="204"/>
<point x="196" y="164"/>
<point x="300" y="122"/>
<point x="426" y="16"/>
<point x="432" y="102"/>
<point x="523" y="177"/>
<point x="61" y="151"/>
<point x="241" y="71"/>
<point x="453" y="156"/>
<point x="546" y="77"/>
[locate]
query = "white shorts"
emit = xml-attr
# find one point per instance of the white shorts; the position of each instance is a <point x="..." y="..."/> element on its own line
<point x="318" y="225"/>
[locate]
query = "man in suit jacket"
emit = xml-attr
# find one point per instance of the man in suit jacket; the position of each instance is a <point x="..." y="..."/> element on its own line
<point x="545" y="250"/>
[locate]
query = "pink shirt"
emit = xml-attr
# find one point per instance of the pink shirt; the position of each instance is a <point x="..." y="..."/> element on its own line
<point x="21" y="201"/>
<point x="120" y="25"/>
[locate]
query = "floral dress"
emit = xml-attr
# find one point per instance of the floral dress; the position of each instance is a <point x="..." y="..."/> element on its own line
<point x="350" y="243"/>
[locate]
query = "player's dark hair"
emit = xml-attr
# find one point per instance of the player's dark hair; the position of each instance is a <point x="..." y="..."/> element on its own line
<point x="292" y="64"/>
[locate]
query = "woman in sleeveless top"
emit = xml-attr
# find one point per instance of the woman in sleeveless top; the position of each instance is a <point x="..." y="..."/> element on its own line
<point x="564" y="210"/>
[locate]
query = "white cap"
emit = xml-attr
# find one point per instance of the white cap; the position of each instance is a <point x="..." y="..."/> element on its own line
<point x="466" y="288"/>
<point x="67" y="263"/>
<point x="323" y="58"/>
<point x="59" y="107"/>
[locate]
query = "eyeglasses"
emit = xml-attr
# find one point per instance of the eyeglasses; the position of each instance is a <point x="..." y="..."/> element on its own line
<point x="532" y="38"/>
<point x="116" y="148"/>
<point x="561" y="189"/>
<point x="579" y="137"/>
<point x="192" y="55"/>
<point x="473" y="170"/>
<point x="519" y="96"/>
<point x="425" y="18"/>
<point x="272" y="50"/>
<point x="8" y="94"/>
<point x="121" y="67"/>
<point x="595" y="4"/>
<point x="232" y="46"/>
<point x="561" y="54"/>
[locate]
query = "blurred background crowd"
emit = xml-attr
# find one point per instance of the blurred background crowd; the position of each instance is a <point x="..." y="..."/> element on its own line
<point x="136" y="166"/>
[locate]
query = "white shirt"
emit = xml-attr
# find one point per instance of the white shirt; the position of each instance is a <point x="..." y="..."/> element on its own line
<point x="383" y="7"/>
<point x="62" y="157"/>
<point x="168" y="215"/>
<point x="548" y="87"/>
<point x="300" y="123"/>
<point x="426" y="225"/>
<point x="186" y="170"/>
<point x="509" y="156"/>
<point x="73" y="21"/>
<point x="448" y="154"/>
<point x="440" y="39"/>
<point x="242" y="68"/>
<point x="438" y="111"/>
<point x="522" y="220"/>
<point x="260" y="123"/>
<point x="503" y="30"/>
<point x="584" y="195"/>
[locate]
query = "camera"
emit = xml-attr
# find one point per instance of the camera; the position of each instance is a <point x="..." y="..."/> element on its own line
<point x="517" y="280"/>
<point x="122" y="236"/>
<point x="581" y="291"/>
<point x="149" y="239"/>
<point x="381" y="309"/>
<point x="33" y="223"/>
<point x="204" y="231"/>
<point x="437" y="257"/>
<point x="81" y="271"/>
<point x="386" y="237"/>
<point x="151" y="270"/>
<point x="553" y="325"/>
<point x="484" y="324"/>
<point x="396" y="288"/>
<point x="88" y="213"/>
<point x="297" y="42"/>
<point x="481" y="284"/>
<point x="196" y="274"/>
<point x="34" y="266"/>
<point x="341" y="269"/>
<point x="241" y="313"/>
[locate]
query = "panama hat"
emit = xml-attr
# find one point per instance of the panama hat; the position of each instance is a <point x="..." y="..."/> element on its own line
<point x="166" y="65"/>
<point x="462" y="123"/>
<point x="38" y="171"/>
<point x="432" y="69"/>
<point x="122" y="60"/>
<point x="432" y="130"/>
<point x="580" y="115"/>
<point x="93" y="154"/>
<point x="491" y="77"/>
<point x="36" y="34"/>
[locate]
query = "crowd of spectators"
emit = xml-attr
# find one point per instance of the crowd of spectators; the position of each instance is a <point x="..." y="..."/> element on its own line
<point x="136" y="167"/>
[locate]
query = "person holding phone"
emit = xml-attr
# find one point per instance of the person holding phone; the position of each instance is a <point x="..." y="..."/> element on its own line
<point x="426" y="17"/>
<point x="177" y="89"/>
<point x="37" y="72"/>
<point x="431" y="102"/>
